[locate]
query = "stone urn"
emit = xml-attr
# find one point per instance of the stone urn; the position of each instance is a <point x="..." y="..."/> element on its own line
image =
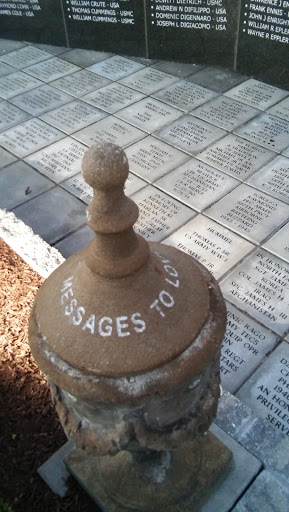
<point x="129" y="333"/>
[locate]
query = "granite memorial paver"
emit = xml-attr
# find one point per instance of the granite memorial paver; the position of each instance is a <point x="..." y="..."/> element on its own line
<point x="225" y="112"/>
<point x="116" y="67"/>
<point x="281" y="109"/>
<point x="190" y="134"/>
<point x="267" y="492"/>
<point x="7" y="46"/>
<point x="41" y="99"/>
<point x="73" y="116"/>
<point x="51" y="69"/>
<point x="245" y="345"/>
<point x="260" y="287"/>
<point x="113" y="97"/>
<point x="267" y="391"/>
<point x="5" y="69"/>
<point x="197" y="184"/>
<point x="11" y="115"/>
<point x="184" y="95"/>
<point x="79" y="188"/>
<point x="112" y="130"/>
<point x="80" y="83"/>
<point x="279" y="243"/>
<point x="236" y="156"/>
<point x="286" y="152"/>
<point x="150" y="158"/>
<point x="20" y="183"/>
<point x="178" y="69"/>
<point x="159" y="214"/>
<point x="257" y="94"/>
<point x="6" y="158"/>
<point x="269" y="131"/>
<point x="209" y="243"/>
<point x="217" y="79"/>
<point x="273" y="178"/>
<point x="29" y="136"/>
<point x="48" y="223"/>
<point x="25" y="57"/>
<point x="17" y="83"/>
<point x="149" y="114"/>
<point x="59" y="160"/>
<point x="84" y="58"/>
<point x="249" y="212"/>
<point x="148" y="80"/>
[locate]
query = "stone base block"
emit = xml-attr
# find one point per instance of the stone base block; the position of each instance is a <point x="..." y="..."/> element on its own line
<point x="156" y="492"/>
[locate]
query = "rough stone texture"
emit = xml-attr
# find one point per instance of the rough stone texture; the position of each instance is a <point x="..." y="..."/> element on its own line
<point x="268" y="493"/>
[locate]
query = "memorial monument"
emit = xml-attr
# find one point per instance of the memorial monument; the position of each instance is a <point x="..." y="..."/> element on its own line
<point x="249" y="37"/>
<point x="128" y="333"/>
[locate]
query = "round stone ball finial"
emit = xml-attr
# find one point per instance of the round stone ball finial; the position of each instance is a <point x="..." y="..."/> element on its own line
<point x="105" y="166"/>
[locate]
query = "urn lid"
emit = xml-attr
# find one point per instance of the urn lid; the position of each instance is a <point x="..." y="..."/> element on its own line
<point x="121" y="306"/>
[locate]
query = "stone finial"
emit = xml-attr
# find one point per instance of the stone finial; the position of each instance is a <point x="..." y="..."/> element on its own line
<point x="117" y="250"/>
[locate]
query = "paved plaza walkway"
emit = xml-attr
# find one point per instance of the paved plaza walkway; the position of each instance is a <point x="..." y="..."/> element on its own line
<point x="209" y="169"/>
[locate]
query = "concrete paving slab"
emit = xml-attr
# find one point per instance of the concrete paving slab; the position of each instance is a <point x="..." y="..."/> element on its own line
<point x="181" y="70"/>
<point x="60" y="160"/>
<point x="218" y="249"/>
<point x="250" y="213"/>
<point x="196" y="184"/>
<point x="184" y="95"/>
<point x="73" y="116"/>
<point x="259" y="286"/>
<point x="225" y="112"/>
<point x="113" y="97"/>
<point x="150" y="158"/>
<point x="17" y="83"/>
<point x="148" y="80"/>
<point x="266" y="392"/>
<point x="51" y="69"/>
<point x="7" y="45"/>
<point x="281" y="109"/>
<point x="80" y="83"/>
<point x="266" y="493"/>
<point x="278" y="244"/>
<point x="5" y="69"/>
<point x="236" y="156"/>
<point x="269" y="131"/>
<point x="25" y="57"/>
<point x="273" y="178"/>
<point x="245" y="346"/>
<point x="257" y="94"/>
<point x="29" y="136"/>
<point x="84" y="58"/>
<point x="217" y="79"/>
<point x="19" y="183"/>
<point x="115" y="67"/>
<point x="75" y="242"/>
<point x="6" y="158"/>
<point x="149" y="114"/>
<point x="41" y="99"/>
<point x="244" y="468"/>
<point x="11" y="115"/>
<point x="190" y="134"/>
<point x="159" y="214"/>
<point x="50" y="48"/>
<point x="58" y="214"/>
<point x="112" y="130"/>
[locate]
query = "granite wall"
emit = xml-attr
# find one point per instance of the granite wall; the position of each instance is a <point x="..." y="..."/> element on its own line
<point x="250" y="37"/>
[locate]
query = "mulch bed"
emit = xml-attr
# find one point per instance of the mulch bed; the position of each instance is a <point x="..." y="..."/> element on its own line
<point x="30" y="431"/>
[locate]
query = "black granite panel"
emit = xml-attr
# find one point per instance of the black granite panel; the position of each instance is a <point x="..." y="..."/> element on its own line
<point x="264" y="41"/>
<point x="37" y="21"/>
<point x="201" y="31"/>
<point x="111" y="26"/>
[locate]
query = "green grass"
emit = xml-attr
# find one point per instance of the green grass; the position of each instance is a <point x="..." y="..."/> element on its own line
<point x="4" y="507"/>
